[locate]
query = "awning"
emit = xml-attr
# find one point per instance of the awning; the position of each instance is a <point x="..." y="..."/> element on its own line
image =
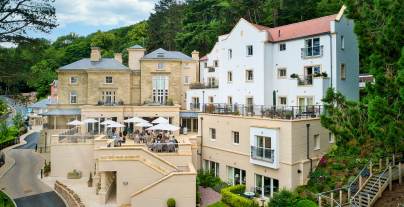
<point x="189" y="114"/>
<point x="62" y="112"/>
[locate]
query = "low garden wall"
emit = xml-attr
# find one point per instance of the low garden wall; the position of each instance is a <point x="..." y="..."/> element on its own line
<point x="72" y="199"/>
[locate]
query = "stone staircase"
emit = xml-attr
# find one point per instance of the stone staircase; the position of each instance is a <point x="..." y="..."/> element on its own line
<point x="367" y="187"/>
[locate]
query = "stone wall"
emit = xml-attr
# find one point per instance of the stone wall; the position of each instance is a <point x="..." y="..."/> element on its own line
<point x="72" y="199"/>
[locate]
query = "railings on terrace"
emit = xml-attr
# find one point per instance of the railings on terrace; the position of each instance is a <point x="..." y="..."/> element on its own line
<point x="72" y="136"/>
<point x="305" y="80"/>
<point x="275" y="112"/>
<point x="214" y="84"/>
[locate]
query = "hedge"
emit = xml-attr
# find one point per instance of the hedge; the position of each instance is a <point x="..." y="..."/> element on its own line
<point x="232" y="197"/>
<point x="306" y="203"/>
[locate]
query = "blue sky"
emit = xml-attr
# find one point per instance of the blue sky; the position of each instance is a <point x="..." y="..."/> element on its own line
<point x="87" y="16"/>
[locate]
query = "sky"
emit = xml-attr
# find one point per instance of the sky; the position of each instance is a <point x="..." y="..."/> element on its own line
<point x="87" y="16"/>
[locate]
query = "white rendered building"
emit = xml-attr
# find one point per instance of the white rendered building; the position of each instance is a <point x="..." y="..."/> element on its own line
<point x="290" y="65"/>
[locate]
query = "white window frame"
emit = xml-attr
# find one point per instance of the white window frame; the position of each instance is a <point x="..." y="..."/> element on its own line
<point x="216" y="167"/>
<point x="106" y="79"/>
<point x="342" y="42"/>
<point x="331" y="138"/>
<point x="230" y="54"/>
<point x="212" y="134"/>
<point x="160" y="89"/>
<point x="249" y="48"/>
<point x="317" y="142"/>
<point x="247" y="75"/>
<point x="282" y="46"/>
<point x="187" y="80"/>
<point x="279" y="73"/>
<point x="216" y="63"/>
<point x="229" y="100"/>
<point x="231" y="170"/>
<point x="280" y="100"/>
<point x="234" y="135"/>
<point x="73" y="94"/>
<point x="229" y="76"/>
<point x="211" y="99"/>
<point x="342" y="70"/>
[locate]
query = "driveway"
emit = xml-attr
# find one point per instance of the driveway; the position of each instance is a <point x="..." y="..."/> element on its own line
<point x="21" y="182"/>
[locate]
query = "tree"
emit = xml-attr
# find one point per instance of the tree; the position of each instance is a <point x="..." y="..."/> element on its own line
<point x="18" y="121"/>
<point x="17" y="17"/>
<point x="43" y="73"/>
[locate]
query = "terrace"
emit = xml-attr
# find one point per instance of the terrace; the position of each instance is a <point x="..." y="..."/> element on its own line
<point x="273" y="112"/>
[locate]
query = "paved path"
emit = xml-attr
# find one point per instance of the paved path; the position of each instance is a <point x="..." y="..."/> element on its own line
<point x="209" y="196"/>
<point x="21" y="182"/>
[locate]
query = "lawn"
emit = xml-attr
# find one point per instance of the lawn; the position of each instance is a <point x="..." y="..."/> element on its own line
<point x="5" y="201"/>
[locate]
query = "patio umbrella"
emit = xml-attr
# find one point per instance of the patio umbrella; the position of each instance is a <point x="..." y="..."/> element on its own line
<point x="144" y="124"/>
<point x="108" y="122"/>
<point x="115" y="125"/>
<point x="75" y="123"/>
<point x="135" y="120"/>
<point x="160" y="120"/>
<point x="90" y="121"/>
<point x="164" y="127"/>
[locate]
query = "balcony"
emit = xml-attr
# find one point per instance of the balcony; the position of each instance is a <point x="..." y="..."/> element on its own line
<point x="214" y="84"/>
<point x="211" y="70"/>
<point x="263" y="154"/>
<point x="109" y="103"/>
<point x="195" y="106"/>
<point x="273" y="112"/>
<point x="305" y="80"/>
<point x="312" y="52"/>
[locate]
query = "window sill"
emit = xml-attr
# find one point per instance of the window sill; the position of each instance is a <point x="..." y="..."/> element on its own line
<point x="213" y="140"/>
<point x="316" y="149"/>
<point x="249" y="81"/>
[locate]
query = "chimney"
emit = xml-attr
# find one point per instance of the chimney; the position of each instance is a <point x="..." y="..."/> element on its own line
<point x="95" y="54"/>
<point x="135" y="53"/>
<point x="195" y="55"/>
<point x="118" y="57"/>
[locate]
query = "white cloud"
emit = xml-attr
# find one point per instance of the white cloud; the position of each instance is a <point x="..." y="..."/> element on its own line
<point x="102" y="12"/>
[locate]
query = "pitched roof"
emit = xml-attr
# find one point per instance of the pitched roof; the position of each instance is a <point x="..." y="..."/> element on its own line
<point x="42" y="103"/>
<point x="86" y="63"/>
<point x="300" y="29"/>
<point x="204" y="58"/>
<point x="164" y="54"/>
<point x="61" y="112"/>
<point x="136" y="47"/>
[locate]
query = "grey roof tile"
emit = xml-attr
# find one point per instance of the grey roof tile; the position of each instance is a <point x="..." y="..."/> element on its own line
<point x="164" y="54"/>
<point x="136" y="47"/>
<point x="86" y="63"/>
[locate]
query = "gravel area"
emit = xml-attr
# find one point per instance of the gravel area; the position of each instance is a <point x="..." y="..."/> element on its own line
<point x="209" y="196"/>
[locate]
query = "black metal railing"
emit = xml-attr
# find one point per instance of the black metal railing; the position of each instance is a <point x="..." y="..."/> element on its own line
<point x="275" y="112"/>
<point x="261" y="153"/>
<point x="214" y="84"/>
<point x="315" y="51"/>
<point x="195" y="106"/>
<point x="110" y="103"/>
<point x="305" y="80"/>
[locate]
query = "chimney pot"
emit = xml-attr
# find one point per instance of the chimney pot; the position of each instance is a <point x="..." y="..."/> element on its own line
<point x="95" y="54"/>
<point x="118" y="57"/>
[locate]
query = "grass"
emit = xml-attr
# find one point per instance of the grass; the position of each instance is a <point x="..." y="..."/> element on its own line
<point x="218" y="204"/>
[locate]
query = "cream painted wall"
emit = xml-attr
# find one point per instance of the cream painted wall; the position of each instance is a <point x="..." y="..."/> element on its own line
<point x="67" y="157"/>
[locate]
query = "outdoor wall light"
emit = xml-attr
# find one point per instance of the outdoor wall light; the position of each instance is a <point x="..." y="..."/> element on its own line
<point x="125" y="182"/>
<point x="299" y="171"/>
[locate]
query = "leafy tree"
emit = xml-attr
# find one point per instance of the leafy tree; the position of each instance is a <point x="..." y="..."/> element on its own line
<point x="18" y="121"/>
<point x="43" y="73"/>
<point x="3" y="108"/>
<point x="17" y="17"/>
<point x="4" y="133"/>
<point x="283" y="198"/>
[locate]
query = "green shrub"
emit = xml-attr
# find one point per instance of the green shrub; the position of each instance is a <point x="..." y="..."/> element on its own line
<point x="207" y="179"/>
<point x="306" y="203"/>
<point x="283" y="198"/>
<point x="198" y="197"/>
<point x="219" y="186"/>
<point x="232" y="196"/>
<point x="171" y="202"/>
<point x="74" y="175"/>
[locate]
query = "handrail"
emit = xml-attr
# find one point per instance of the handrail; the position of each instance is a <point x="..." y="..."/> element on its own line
<point x="337" y="204"/>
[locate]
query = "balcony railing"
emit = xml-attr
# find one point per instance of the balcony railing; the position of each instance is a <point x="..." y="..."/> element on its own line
<point x="214" y="84"/>
<point x="305" y="80"/>
<point x="309" y="52"/>
<point x="211" y="70"/>
<point x="109" y="103"/>
<point x="261" y="153"/>
<point x="274" y="112"/>
<point x="195" y="106"/>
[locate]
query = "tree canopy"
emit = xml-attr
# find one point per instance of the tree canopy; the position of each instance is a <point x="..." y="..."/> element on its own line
<point x="17" y="17"/>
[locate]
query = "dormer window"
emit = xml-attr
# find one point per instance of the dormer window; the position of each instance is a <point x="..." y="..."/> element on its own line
<point x="160" y="55"/>
<point x="108" y="79"/>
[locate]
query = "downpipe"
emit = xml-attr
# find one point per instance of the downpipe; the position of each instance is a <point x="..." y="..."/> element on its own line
<point x="308" y="146"/>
